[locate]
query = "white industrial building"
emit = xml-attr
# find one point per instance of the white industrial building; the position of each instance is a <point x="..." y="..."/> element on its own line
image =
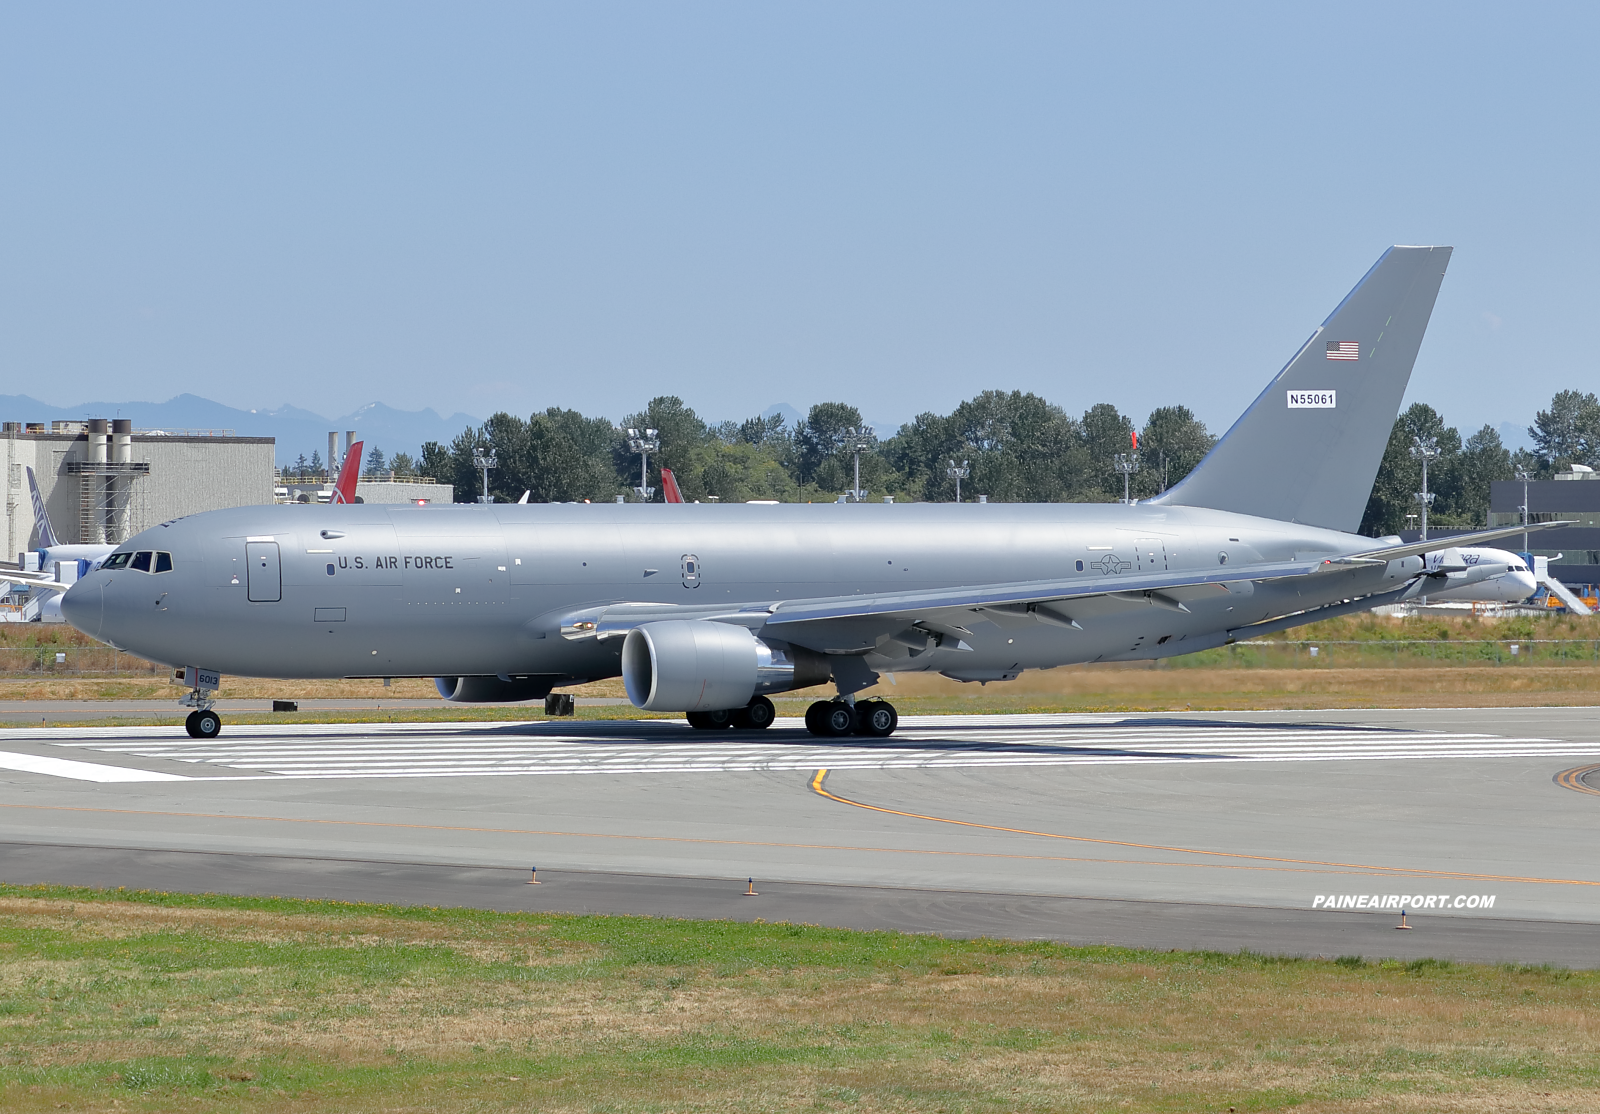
<point x="103" y="481"/>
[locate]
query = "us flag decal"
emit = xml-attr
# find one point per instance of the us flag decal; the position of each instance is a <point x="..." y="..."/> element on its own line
<point x="1344" y="350"/>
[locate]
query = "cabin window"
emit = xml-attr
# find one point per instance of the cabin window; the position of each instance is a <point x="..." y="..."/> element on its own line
<point x="163" y="562"/>
<point x="141" y="560"/>
<point x="691" y="571"/>
<point x="1080" y="566"/>
<point x="117" y="561"/>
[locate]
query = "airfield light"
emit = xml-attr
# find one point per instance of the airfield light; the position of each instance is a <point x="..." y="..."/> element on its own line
<point x="644" y="444"/>
<point x="484" y="459"/>
<point x="857" y="440"/>
<point x="958" y="474"/>
<point x="1425" y="449"/>
<point x="1127" y="464"/>
<point x="1524" y="475"/>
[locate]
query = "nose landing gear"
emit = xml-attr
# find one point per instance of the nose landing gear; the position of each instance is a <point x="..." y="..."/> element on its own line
<point x="203" y="724"/>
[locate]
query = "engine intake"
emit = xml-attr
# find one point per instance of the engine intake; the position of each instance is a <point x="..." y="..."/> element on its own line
<point x="693" y="665"/>
<point x="497" y="690"/>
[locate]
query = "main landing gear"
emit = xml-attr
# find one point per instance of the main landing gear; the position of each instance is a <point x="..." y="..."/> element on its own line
<point x="754" y="716"/>
<point x="836" y="718"/>
<point x="829" y="718"/>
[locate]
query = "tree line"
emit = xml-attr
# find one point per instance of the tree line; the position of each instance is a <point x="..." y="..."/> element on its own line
<point x="1015" y="446"/>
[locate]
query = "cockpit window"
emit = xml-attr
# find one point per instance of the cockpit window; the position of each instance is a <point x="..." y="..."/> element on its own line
<point x="141" y="561"/>
<point x="163" y="562"/>
<point x="117" y="561"/>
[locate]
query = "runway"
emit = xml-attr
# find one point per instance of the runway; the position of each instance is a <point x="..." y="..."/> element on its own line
<point x="1199" y="830"/>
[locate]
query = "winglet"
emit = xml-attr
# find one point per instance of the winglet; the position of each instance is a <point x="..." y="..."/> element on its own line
<point x="344" y="489"/>
<point x="47" y="536"/>
<point x="669" y="486"/>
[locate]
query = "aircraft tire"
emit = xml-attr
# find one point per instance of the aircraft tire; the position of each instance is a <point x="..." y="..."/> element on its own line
<point x="191" y="727"/>
<point x="710" y="721"/>
<point x="204" y="725"/>
<point x="814" y="714"/>
<point x="755" y="716"/>
<point x="837" y="719"/>
<point x="876" y="718"/>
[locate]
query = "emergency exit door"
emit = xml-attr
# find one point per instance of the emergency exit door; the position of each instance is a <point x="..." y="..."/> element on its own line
<point x="1151" y="554"/>
<point x="265" y="575"/>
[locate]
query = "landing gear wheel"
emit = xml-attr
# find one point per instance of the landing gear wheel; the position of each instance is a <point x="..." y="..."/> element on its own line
<point x="203" y="725"/>
<point x="876" y="718"/>
<point x="709" y="721"/>
<point x="831" y="718"/>
<point x="755" y="716"/>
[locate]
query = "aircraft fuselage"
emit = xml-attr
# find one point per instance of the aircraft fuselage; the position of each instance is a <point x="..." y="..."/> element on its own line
<point x="307" y="591"/>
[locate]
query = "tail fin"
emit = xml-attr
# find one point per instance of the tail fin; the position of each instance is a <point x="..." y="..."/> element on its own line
<point x="47" y="536"/>
<point x="669" y="487"/>
<point x="344" y="489"/>
<point x="1309" y="447"/>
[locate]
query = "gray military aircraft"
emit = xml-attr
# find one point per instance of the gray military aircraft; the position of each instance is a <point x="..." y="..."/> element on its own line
<point x="709" y="609"/>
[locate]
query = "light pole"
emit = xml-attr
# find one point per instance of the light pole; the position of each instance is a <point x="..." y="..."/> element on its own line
<point x="1524" y="475"/>
<point x="1425" y="449"/>
<point x="1127" y="464"/>
<point x="644" y="444"/>
<point x="484" y="459"/>
<point x="857" y="441"/>
<point x="958" y="474"/>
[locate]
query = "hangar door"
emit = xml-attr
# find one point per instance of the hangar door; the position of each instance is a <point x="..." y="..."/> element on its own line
<point x="265" y="575"/>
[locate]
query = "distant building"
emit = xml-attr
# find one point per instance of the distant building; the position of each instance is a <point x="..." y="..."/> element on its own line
<point x="420" y="489"/>
<point x="1573" y="495"/>
<point x="103" y="481"/>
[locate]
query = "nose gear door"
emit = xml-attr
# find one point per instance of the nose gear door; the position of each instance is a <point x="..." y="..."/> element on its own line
<point x="265" y="572"/>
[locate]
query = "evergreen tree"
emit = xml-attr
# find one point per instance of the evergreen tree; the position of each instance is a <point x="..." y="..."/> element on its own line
<point x="1568" y="432"/>
<point x="377" y="463"/>
<point x="1173" y="442"/>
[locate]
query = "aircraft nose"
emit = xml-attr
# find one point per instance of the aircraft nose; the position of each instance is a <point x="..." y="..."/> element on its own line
<point x="82" y="607"/>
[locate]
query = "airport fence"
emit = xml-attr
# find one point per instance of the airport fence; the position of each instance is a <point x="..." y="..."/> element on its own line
<point x="74" y="661"/>
<point x="103" y="661"/>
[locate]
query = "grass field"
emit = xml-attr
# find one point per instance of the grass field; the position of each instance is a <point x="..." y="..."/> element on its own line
<point x="116" y="1001"/>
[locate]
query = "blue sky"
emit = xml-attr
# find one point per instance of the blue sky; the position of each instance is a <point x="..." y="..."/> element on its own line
<point x="481" y="207"/>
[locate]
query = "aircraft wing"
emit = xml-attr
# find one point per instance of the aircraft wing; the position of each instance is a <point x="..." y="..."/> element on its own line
<point x="783" y="618"/>
<point x="33" y="580"/>
<point x="1457" y="541"/>
<point x="911" y="605"/>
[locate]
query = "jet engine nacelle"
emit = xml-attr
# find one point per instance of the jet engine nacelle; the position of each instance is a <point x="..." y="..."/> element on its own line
<point x="692" y="665"/>
<point x="495" y="690"/>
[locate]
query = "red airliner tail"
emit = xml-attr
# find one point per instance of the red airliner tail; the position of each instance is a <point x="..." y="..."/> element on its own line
<point x="344" y="489"/>
<point x="669" y="486"/>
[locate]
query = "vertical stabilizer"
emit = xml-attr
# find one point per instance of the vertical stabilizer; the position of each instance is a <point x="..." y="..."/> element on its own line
<point x="41" y="518"/>
<point x="344" y="489"/>
<point x="1309" y="447"/>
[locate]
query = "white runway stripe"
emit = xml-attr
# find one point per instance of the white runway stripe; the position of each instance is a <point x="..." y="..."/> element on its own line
<point x="645" y="747"/>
